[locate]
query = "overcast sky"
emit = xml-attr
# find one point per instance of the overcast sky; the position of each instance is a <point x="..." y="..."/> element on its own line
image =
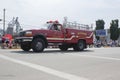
<point x="33" y="13"/>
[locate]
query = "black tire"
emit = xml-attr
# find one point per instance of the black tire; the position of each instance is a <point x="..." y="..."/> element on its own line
<point x="80" y="46"/>
<point x="38" y="45"/>
<point x="25" y="46"/>
<point x="63" y="47"/>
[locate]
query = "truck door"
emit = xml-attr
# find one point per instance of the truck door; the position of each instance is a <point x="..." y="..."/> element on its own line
<point x="56" y="34"/>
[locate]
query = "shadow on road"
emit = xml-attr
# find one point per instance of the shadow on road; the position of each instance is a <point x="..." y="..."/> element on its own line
<point x="52" y="51"/>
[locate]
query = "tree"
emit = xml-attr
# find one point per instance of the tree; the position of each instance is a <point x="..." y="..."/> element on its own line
<point x="99" y="25"/>
<point x="114" y="30"/>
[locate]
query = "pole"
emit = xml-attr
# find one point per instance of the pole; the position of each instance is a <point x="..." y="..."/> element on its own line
<point x="4" y="21"/>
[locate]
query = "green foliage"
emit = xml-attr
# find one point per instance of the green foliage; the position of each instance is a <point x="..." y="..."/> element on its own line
<point x="119" y="30"/>
<point x="99" y="25"/>
<point x="114" y="30"/>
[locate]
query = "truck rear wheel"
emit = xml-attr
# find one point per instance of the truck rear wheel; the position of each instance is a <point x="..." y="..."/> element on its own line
<point x="63" y="47"/>
<point x="79" y="46"/>
<point x="25" y="46"/>
<point x="38" y="45"/>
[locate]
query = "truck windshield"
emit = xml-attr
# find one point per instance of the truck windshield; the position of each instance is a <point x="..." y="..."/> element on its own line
<point x="46" y="26"/>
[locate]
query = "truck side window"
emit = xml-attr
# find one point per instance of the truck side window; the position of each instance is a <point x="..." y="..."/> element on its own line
<point x="59" y="27"/>
<point x="55" y="27"/>
<point x="52" y="27"/>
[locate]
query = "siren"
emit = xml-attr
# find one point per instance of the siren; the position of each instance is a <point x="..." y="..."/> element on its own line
<point x="50" y="22"/>
<point x="53" y="21"/>
<point x="56" y="21"/>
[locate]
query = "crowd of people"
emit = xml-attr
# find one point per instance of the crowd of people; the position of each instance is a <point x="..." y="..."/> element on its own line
<point x="7" y="41"/>
<point x="110" y="43"/>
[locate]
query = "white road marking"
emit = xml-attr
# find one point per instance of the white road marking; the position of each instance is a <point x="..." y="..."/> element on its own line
<point x="45" y="69"/>
<point x="107" y="58"/>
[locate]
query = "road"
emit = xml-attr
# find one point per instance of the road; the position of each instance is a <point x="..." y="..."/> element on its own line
<point x="53" y="64"/>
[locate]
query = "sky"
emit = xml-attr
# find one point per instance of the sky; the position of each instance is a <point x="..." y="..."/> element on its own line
<point x="33" y="13"/>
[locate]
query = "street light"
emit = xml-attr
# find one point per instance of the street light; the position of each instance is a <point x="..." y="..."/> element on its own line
<point x="0" y="32"/>
<point x="4" y="21"/>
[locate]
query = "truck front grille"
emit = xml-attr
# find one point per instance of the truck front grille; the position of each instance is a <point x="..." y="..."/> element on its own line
<point x="22" y="34"/>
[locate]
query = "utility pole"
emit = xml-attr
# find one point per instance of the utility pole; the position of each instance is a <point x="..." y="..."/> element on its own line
<point x="4" y="21"/>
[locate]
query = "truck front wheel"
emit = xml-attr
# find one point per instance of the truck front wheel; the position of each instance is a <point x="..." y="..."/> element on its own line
<point x="79" y="46"/>
<point x="38" y="45"/>
<point x="25" y="46"/>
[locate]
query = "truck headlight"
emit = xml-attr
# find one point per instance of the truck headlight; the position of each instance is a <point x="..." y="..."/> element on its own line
<point x="28" y="33"/>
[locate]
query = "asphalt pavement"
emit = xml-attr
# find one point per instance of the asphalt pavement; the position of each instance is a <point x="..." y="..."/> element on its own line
<point x="53" y="64"/>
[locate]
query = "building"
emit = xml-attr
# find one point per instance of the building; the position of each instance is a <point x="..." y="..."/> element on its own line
<point x="1" y="32"/>
<point x="9" y="30"/>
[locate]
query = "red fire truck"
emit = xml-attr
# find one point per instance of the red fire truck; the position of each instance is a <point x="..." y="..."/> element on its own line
<point x="53" y="33"/>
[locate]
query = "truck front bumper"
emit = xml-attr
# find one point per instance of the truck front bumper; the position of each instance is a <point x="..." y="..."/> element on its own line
<point x="23" y="39"/>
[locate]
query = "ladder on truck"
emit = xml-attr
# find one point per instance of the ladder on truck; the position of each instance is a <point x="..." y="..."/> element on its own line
<point x="75" y="25"/>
